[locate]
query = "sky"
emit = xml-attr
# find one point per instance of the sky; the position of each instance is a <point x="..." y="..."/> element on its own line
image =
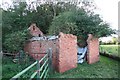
<point x="108" y="9"/>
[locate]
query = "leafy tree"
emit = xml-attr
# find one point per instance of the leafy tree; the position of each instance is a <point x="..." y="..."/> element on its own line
<point x="19" y="17"/>
<point x="80" y="23"/>
<point x="114" y="40"/>
<point x="15" y="41"/>
<point x="63" y="23"/>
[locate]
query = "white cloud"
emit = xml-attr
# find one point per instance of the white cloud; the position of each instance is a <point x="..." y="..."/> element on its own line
<point x="108" y="9"/>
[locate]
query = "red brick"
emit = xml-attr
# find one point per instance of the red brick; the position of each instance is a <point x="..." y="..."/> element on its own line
<point x="64" y="51"/>
<point x="67" y="52"/>
<point x="34" y="30"/>
<point x="93" y="50"/>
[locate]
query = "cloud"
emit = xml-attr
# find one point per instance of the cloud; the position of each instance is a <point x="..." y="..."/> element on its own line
<point x="108" y="9"/>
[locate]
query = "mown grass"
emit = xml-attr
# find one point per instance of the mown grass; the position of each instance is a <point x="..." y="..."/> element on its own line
<point x="111" y="49"/>
<point x="105" y="68"/>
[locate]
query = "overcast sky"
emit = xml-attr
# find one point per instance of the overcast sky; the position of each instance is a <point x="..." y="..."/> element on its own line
<point x="108" y="9"/>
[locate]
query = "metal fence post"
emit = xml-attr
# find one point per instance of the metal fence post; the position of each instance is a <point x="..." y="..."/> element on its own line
<point x="50" y="59"/>
<point x="38" y="72"/>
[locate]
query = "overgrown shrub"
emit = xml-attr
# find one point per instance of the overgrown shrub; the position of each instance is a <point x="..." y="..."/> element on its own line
<point x="15" y="41"/>
<point x="80" y="23"/>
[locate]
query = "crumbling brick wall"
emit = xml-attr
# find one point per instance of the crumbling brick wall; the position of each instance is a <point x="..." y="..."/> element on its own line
<point x="35" y="31"/>
<point x="64" y="51"/>
<point x="67" y="58"/>
<point x="38" y="49"/>
<point x="33" y="48"/>
<point x="93" y="49"/>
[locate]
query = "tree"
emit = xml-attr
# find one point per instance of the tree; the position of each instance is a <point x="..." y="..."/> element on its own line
<point x="114" y="40"/>
<point x="18" y="18"/>
<point x="14" y="42"/>
<point x="80" y="23"/>
<point x="68" y="16"/>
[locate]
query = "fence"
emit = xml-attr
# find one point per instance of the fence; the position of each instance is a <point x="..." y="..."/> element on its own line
<point x="43" y="66"/>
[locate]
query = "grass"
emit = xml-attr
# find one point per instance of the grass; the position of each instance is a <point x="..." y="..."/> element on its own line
<point x="111" y="49"/>
<point x="105" y="68"/>
<point x="10" y="69"/>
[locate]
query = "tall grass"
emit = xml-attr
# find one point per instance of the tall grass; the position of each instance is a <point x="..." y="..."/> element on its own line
<point x="10" y="69"/>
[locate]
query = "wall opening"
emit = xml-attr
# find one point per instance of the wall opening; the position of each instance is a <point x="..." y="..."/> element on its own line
<point x="33" y="28"/>
<point x="39" y="35"/>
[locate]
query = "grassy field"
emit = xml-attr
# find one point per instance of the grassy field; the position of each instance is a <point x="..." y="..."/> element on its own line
<point x="105" y="68"/>
<point x="111" y="49"/>
<point x="9" y="68"/>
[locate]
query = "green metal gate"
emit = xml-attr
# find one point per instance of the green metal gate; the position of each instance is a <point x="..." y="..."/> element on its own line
<point x="42" y="71"/>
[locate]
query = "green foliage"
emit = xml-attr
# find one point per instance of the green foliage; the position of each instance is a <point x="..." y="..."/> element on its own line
<point x="15" y="41"/>
<point x="21" y="16"/>
<point x="115" y="40"/>
<point x="63" y="23"/>
<point x="64" y="17"/>
<point x="80" y="23"/>
<point x="18" y="18"/>
<point x="10" y="69"/>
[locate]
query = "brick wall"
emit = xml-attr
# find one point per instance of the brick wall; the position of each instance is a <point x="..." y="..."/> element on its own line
<point x="34" y="49"/>
<point x="34" y="30"/>
<point x="39" y="48"/>
<point x="93" y="49"/>
<point x="67" y="58"/>
<point x="64" y="51"/>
